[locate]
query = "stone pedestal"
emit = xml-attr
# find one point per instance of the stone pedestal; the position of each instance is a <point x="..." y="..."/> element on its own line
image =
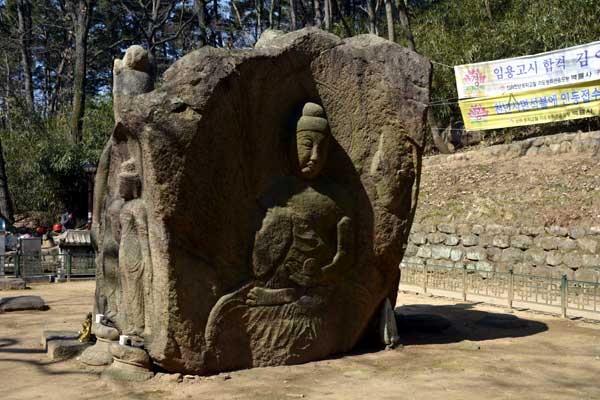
<point x="98" y="354"/>
<point x="129" y="364"/>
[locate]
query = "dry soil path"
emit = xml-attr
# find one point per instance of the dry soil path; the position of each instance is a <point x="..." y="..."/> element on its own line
<point x="549" y="358"/>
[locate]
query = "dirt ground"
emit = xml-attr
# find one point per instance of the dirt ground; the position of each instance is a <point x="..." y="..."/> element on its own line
<point x="553" y="190"/>
<point x="548" y="358"/>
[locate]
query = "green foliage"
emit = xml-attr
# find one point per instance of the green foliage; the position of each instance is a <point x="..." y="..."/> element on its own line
<point x="460" y="32"/>
<point x="44" y="167"/>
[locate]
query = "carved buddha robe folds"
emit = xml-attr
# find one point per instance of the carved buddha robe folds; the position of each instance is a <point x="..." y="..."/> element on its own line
<point x="254" y="208"/>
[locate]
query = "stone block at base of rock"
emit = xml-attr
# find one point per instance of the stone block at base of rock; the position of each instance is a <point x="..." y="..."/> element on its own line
<point x="48" y="336"/>
<point x="12" y="284"/>
<point x="65" y="349"/>
<point x="22" y="303"/>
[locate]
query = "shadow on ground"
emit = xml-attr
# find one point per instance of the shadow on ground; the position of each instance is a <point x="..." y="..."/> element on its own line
<point x="458" y="322"/>
<point x="6" y="343"/>
<point x="9" y="346"/>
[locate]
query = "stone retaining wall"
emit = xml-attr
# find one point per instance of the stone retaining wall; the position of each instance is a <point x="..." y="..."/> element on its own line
<point x="582" y="142"/>
<point x="548" y="251"/>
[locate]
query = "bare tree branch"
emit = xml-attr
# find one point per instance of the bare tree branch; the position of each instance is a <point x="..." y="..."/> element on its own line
<point x="239" y="20"/>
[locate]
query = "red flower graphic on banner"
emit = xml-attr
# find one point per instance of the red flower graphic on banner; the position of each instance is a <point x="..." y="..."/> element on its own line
<point x="474" y="77"/>
<point x="477" y="112"/>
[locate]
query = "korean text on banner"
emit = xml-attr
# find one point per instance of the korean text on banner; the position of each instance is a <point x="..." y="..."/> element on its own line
<point x="539" y="106"/>
<point x="512" y="75"/>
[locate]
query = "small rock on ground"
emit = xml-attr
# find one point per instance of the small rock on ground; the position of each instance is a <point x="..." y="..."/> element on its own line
<point x="22" y="303"/>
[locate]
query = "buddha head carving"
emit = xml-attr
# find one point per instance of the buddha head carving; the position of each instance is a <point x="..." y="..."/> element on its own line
<point x="130" y="183"/>
<point x="312" y="140"/>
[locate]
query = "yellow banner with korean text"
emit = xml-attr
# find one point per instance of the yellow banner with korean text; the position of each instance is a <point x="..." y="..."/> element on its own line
<point x="560" y="103"/>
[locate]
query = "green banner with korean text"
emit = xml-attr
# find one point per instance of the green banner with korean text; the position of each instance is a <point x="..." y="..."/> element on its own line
<point x="560" y="103"/>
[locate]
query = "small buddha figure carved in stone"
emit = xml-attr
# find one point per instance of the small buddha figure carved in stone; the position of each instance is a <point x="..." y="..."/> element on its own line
<point x="134" y="253"/>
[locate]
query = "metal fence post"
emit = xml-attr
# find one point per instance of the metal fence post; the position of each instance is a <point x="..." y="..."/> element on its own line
<point x="464" y="282"/>
<point x="563" y="295"/>
<point x="17" y="265"/>
<point x="511" y="287"/>
<point x="69" y="265"/>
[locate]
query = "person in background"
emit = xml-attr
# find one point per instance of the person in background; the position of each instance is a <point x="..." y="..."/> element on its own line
<point x="68" y="220"/>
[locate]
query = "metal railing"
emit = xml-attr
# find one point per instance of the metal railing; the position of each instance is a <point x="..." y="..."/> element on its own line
<point x="558" y="293"/>
<point x="42" y="265"/>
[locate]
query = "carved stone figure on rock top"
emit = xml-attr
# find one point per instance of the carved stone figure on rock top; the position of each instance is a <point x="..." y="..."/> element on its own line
<point x="303" y="248"/>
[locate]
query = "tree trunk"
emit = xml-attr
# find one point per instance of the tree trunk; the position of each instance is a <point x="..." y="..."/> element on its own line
<point x="24" y="17"/>
<point x="327" y="17"/>
<point x="405" y="24"/>
<point x="81" y="19"/>
<point x="239" y="19"/>
<point x="304" y="13"/>
<point x="318" y="16"/>
<point x="389" y="13"/>
<point x="218" y="35"/>
<point x="372" y="17"/>
<point x="271" y="12"/>
<point x="335" y="9"/>
<point x="279" y="15"/>
<point x="6" y="206"/>
<point x="488" y="10"/>
<point x="200" y="8"/>
<point x="258" y="5"/>
<point x="7" y="95"/>
<point x="435" y="133"/>
<point x="151" y="38"/>
<point x="65" y="57"/>
<point x="293" y="25"/>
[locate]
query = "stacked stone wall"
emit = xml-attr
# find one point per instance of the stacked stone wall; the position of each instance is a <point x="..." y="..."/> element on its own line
<point x="581" y="142"/>
<point x="548" y="251"/>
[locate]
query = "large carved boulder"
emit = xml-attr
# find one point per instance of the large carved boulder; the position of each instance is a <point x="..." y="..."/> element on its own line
<point x="253" y="209"/>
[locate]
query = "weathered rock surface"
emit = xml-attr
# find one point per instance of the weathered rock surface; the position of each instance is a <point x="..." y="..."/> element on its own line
<point x="219" y="243"/>
<point x="12" y="283"/>
<point x="22" y="303"/>
<point x="63" y="345"/>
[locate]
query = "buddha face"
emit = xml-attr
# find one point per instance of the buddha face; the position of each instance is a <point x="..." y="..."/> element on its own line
<point x="312" y="153"/>
<point x="129" y="186"/>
